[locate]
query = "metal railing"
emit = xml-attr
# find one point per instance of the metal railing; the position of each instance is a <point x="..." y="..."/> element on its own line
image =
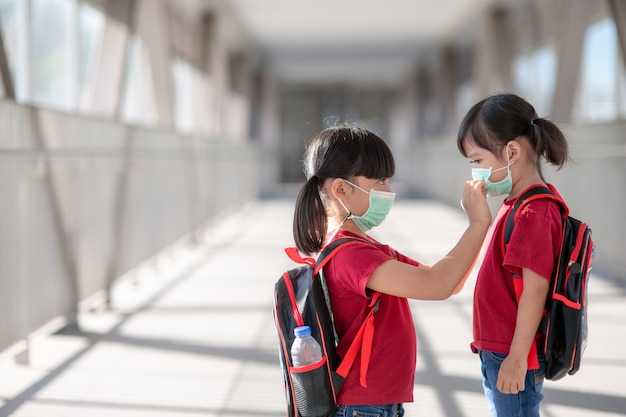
<point x="83" y="200"/>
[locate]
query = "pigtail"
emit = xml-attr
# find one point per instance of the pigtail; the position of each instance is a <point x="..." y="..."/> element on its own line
<point x="550" y="142"/>
<point x="310" y="220"/>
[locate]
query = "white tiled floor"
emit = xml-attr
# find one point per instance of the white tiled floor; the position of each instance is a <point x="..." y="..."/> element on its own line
<point x="191" y="334"/>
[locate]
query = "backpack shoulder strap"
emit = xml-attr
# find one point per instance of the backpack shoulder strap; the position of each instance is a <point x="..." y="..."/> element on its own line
<point x="324" y="256"/>
<point x="295" y="256"/>
<point x="364" y="337"/>
<point x="331" y="249"/>
<point x="363" y="341"/>
<point x="531" y="194"/>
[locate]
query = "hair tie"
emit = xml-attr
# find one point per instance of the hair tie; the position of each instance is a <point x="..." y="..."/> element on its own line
<point x="533" y="121"/>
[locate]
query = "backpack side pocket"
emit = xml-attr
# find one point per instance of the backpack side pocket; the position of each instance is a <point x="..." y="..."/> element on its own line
<point x="313" y="389"/>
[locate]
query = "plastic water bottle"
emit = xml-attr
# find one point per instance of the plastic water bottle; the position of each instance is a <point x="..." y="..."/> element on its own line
<point x="305" y="349"/>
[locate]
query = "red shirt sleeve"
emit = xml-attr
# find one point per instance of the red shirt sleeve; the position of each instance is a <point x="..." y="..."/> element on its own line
<point x="536" y="238"/>
<point x="363" y="260"/>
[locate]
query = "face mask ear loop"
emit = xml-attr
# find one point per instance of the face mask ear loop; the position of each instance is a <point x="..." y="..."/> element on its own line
<point x="332" y="236"/>
<point x="507" y="167"/>
<point x="347" y="215"/>
<point x="508" y="162"/>
<point x="356" y="186"/>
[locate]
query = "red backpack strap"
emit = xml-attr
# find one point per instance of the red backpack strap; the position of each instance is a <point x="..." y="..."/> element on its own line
<point x="365" y="336"/>
<point x="295" y="256"/>
<point x="331" y="249"/>
<point x="533" y="193"/>
<point x="363" y="340"/>
<point x="324" y="256"/>
<point x="295" y="312"/>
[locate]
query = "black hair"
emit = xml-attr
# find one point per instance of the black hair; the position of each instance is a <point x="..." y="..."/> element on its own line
<point x="494" y="121"/>
<point x="336" y="152"/>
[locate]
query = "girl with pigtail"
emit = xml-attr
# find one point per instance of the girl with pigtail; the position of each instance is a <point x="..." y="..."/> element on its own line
<point x="506" y="142"/>
<point x="347" y="193"/>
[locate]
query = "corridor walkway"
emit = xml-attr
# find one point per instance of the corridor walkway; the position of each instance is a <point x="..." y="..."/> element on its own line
<point x="191" y="334"/>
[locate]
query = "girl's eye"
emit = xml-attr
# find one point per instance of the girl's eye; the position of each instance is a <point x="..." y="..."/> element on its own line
<point x="475" y="161"/>
<point x="382" y="181"/>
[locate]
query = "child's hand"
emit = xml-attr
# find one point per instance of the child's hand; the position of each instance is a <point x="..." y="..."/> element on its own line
<point x="512" y="376"/>
<point x="475" y="202"/>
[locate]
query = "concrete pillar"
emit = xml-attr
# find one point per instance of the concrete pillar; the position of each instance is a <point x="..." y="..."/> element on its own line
<point x="154" y="29"/>
<point x="423" y="93"/>
<point x="447" y="86"/>
<point x="186" y="34"/>
<point x="569" y="44"/>
<point x="618" y="10"/>
<point x="403" y="116"/>
<point x="502" y="37"/>
<point x="107" y="94"/>
<point x="493" y="63"/>
<point x="24" y="82"/>
<point x="215" y="62"/>
<point x="241" y="80"/>
<point x="266" y="130"/>
<point x="5" y="73"/>
<point x="267" y="108"/>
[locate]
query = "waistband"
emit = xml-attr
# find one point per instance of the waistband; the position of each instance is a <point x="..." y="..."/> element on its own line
<point x="388" y="410"/>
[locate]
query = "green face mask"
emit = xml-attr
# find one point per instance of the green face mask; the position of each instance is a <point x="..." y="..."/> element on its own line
<point x="380" y="204"/>
<point x="494" y="189"/>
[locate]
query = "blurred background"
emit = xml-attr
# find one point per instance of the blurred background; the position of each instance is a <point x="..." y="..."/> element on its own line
<point x="127" y="124"/>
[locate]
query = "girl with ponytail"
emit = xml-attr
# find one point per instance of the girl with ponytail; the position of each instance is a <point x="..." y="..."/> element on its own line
<point x="506" y="143"/>
<point x="347" y="193"/>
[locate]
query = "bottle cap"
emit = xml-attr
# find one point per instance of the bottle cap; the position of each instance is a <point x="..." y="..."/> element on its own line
<point x="302" y="331"/>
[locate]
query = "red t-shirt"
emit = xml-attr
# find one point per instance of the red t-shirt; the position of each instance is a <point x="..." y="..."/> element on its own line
<point x="390" y="376"/>
<point x="534" y="244"/>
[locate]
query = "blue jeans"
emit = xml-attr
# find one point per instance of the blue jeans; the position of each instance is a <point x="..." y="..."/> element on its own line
<point x="381" y="410"/>
<point x="523" y="404"/>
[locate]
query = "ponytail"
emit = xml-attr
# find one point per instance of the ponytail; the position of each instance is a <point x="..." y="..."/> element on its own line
<point x="549" y="142"/>
<point x="310" y="220"/>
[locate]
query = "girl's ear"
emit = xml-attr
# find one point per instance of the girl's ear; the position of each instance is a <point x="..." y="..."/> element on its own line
<point x="513" y="148"/>
<point x="338" y="188"/>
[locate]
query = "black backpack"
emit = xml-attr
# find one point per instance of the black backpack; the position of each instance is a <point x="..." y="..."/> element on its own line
<point x="301" y="298"/>
<point x="564" y="323"/>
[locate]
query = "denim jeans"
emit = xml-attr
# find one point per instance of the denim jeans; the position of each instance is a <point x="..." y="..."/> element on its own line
<point x="381" y="410"/>
<point x="523" y="404"/>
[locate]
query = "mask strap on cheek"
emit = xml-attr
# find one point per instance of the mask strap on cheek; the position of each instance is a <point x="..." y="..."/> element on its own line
<point x="507" y="166"/>
<point x="356" y="186"/>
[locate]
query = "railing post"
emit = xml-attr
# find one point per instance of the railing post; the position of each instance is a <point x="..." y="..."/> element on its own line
<point x="59" y="226"/>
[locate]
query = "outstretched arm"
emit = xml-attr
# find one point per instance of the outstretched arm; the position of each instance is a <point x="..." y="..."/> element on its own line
<point x="439" y="281"/>
<point x="461" y="284"/>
